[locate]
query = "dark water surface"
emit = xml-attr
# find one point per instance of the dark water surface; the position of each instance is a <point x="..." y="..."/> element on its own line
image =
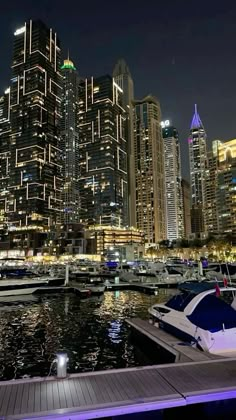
<point x="93" y="332"/>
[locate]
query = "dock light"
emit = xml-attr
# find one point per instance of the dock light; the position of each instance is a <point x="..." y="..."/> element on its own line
<point x="61" y="361"/>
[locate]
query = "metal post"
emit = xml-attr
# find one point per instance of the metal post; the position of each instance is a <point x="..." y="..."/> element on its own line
<point x="67" y="275"/>
<point x="62" y="360"/>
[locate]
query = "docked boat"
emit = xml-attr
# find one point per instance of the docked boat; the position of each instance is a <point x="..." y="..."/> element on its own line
<point x="169" y="275"/>
<point x="19" y="287"/>
<point x="96" y="286"/>
<point x="206" y="318"/>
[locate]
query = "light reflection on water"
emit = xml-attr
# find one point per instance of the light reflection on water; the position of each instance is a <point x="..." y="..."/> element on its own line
<point x="93" y="332"/>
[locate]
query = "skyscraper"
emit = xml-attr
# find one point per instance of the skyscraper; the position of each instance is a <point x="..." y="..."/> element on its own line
<point x="226" y="189"/>
<point x="70" y="143"/>
<point x="123" y="78"/>
<point x="5" y="127"/>
<point x="198" y="163"/>
<point x="186" y="207"/>
<point x="103" y="153"/>
<point x="174" y="199"/>
<point x="211" y="218"/>
<point x="149" y="169"/>
<point x="33" y="202"/>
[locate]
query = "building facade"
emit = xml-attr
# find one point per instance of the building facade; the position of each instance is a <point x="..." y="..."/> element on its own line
<point x="186" y="194"/>
<point x="5" y="129"/>
<point x="123" y="78"/>
<point x="226" y="189"/>
<point x="33" y="201"/>
<point x="174" y="199"/>
<point x="211" y="215"/>
<point x="149" y="170"/>
<point x="102" y="153"/>
<point x="198" y="165"/>
<point x="35" y="156"/>
<point x="70" y="143"/>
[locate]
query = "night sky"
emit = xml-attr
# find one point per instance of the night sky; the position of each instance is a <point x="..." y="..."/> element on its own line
<point x="181" y="51"/>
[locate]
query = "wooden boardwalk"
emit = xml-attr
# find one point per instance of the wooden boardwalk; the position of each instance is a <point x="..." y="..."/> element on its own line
<point x="173" y="345"/>
<point x="117" y="392"/>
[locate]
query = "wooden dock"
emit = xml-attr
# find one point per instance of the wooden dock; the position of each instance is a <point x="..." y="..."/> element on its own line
<point x="116" y="392"/>
<point x="173" y="345"/>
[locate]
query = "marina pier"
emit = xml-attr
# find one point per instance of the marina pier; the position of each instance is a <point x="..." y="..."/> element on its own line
<point x="107" y="394"/>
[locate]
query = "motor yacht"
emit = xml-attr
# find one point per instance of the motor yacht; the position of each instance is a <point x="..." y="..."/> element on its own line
<point x="206" y="318"/>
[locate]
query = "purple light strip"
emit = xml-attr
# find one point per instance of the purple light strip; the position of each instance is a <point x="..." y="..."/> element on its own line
<point x="105" y="411"/>
<point x="210" y="397"/>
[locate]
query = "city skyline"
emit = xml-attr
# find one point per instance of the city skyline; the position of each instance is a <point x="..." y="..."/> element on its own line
<point x="167" y="57"/>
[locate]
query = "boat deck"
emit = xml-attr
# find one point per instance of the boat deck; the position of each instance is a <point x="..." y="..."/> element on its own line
<point x="117" y="392"/>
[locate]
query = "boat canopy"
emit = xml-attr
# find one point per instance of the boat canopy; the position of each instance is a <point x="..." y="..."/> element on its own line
<point x="213" y="314"/>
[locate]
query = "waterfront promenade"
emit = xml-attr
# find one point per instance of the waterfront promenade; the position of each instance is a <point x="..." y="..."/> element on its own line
<point x="116" y="392"/>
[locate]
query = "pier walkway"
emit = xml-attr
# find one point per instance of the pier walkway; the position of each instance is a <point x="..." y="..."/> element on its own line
<point x="173" y="345"/>
<point x="116" y="392"/>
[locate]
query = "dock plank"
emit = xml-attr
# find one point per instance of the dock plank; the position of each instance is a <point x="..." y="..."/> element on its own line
<point x="5" y="401"/>
<point x="25" y="399"/>
<point x="152" y="387"/>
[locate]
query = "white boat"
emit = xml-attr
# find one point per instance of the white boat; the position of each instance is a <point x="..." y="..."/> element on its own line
<point x="169" y="276"/>
<point x="128" y="277"/>
<point x="203" y="319"/>
<point x="16" y="287"/>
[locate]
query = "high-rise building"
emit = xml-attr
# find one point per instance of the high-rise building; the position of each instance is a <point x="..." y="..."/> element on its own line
<point x="174" y="199"/>
<point x="103" y="153"/>
<point x="123" y="78"/>
<point x="186" y="194"/>
<point x="198" y="164"/>
<point x="36" y="91"/>
<point x="226" y="189"/>
<point x="70" y="143"/>
<point x="211" y="217"/>
<point x="149" y="170"/>
<point x="5" y="127"/>
<point x="34" y="203"/>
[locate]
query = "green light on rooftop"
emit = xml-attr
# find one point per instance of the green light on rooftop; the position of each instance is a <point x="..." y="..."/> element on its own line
<point x="68" y="64"/>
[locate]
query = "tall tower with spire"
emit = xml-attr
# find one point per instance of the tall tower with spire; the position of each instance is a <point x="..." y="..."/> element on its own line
<point x="198" y="165"/>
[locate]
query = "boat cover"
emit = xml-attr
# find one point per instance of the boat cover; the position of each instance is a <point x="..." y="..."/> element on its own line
<point x="213" y="314"/>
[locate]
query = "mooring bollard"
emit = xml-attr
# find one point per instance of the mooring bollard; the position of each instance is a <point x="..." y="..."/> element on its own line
<point x="61" y="361"/>
<point x="67" y="274"/>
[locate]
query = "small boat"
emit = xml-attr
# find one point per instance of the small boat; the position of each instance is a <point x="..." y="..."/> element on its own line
<point x="96" y="286"/>
<point x="21" y="287"/>
<point x="206" y="318"/>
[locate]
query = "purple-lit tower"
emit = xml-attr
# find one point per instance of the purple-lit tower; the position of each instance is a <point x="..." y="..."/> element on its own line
<point x="198" y="164"/>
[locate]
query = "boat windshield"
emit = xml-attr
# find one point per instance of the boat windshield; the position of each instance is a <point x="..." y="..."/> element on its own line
<point x="180" y="301"/>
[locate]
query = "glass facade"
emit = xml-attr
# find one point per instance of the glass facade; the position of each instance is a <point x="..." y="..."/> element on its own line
<point x="198" y="165"/>
<point x="174" y="199"/>
<point x="70" y="143"/>
<point x="149" y="170"/>
<point x="34" y="185"/>
<point x="102" y="153"/>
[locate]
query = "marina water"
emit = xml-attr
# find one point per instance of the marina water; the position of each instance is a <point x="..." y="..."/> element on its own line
<point x="93" y="332"/>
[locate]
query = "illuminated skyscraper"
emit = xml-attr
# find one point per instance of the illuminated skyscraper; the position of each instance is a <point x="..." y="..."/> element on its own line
<point x="149" y="170"/>
<point x="211" y="218"/>
<point x="70" y="143"/>
<point x="226" y="189"/>
<point x="103" y="153"/>
<point x="186" y="207"/>
<point x="5" y="128"/>
<point x="198" y="164"/>
<point x="123" y="78"/>
<point x="174" y="199"/>
<point x="33" y="203"/>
